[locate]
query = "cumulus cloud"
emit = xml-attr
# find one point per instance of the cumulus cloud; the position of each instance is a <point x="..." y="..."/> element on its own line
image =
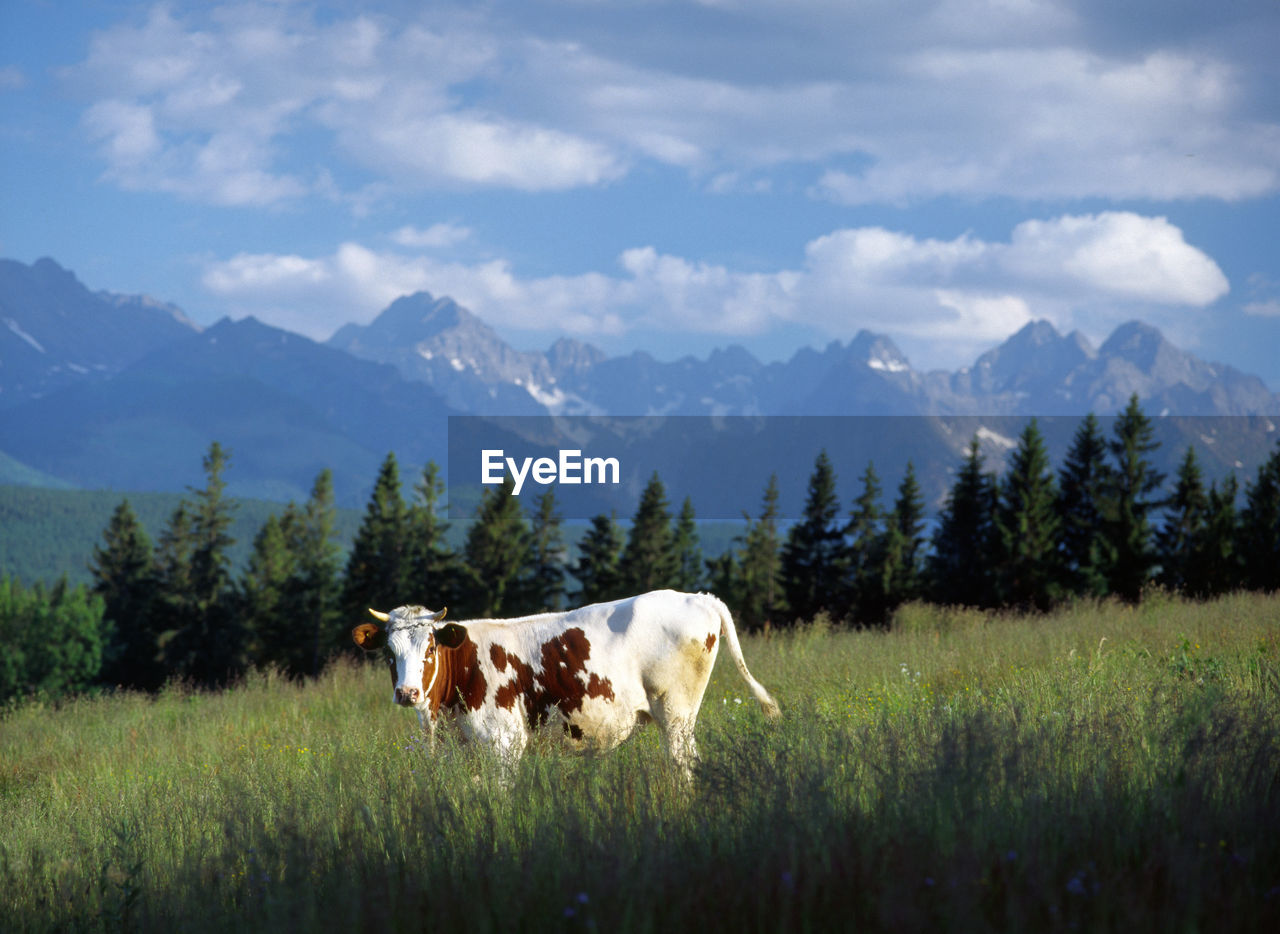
<point x="1116" y="253"/>
<point x="943" y="97"/>
<point x="944" y="298"/>
<point x="433" y="237"/>
<point x="1061" y="123"/>
<point x="459" y="148"/>
<point x="228" y="107"/>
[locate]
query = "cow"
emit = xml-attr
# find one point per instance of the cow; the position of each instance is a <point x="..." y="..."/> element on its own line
<point x="597" y="672"/>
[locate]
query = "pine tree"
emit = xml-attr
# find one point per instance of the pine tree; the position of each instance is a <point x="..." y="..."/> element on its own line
<point x="1260" y="527"/>
<point x="688" y="550"/>
<point x="724" y="579"/>
<point x="315" y="590"/>
<point x="1082" y="484"/>
<point x="544" y="586"/>
<point x="170" y="605"/>
<point x="1218" y="568"/>
<point x="813" y="557"/>
<point x="377" y="564"/>
<point x="599" y="553"/>
<point x="1129" y="502"/>
<point x="1180" y="540"/>
<point x="1027" y="526"/>
<point x="124" y="576"/>
<point x="290" y="591"/>
<point x="649" y="560"/>
<point x="960" y="568"/>
<point x="496" y="550"/>
<point x="264" y="593"/>
<point x="903" y="570"/>
<point x="208" y="645"/>
<point x="433" y="574"/>
<point x="864" y="586"/>
<point x="759" y="601"/>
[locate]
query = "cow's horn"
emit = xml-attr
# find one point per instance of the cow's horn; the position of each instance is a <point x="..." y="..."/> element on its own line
<point x="440" y="615"/>
<point x="379" y="616"/>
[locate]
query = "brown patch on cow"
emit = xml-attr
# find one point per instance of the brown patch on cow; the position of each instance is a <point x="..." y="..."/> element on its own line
<point x="459" y="682"/>
<point x="599" y="687"/>
<point x="711" y="642"/>
<point x="563" y="659"/>
<point x="520" y="687"/>
<point x="498" y="655"/>
<point x="562" y="682"/>
<point x="696" y="657"/>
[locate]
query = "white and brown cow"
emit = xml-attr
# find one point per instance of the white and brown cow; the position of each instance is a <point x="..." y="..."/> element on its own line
<point x="598" y="672"/>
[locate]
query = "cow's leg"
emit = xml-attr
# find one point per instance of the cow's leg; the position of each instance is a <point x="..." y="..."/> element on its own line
<point x="510" y="747"/>
<point x="682" y="746"/>
<point x="505" y="737"/>
<point x="428" y="726"/>
<point x="675" y="722"/>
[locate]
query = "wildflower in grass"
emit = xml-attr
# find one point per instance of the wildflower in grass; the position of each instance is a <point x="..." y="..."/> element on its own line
<point x="578" y="910"/>
<point x="1082" y="882"/>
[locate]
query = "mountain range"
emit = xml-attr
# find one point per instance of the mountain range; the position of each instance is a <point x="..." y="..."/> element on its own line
<point x="1037" y="371"/>
<point x="106" y="391"/>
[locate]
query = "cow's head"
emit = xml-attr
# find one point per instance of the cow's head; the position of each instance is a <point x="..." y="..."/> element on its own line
<point x="413" y="635"/>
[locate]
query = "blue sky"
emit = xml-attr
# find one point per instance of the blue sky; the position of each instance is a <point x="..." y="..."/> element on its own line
<point x="670" y="176"/>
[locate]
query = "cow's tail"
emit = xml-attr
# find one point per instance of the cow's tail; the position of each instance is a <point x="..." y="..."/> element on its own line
<point x="729" y="636"/>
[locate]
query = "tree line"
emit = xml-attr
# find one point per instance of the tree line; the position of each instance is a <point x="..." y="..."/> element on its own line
<point x="1103" y="524"/>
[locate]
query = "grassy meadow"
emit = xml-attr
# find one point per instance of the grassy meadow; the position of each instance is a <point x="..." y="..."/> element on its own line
<point x="1100" y="768"/>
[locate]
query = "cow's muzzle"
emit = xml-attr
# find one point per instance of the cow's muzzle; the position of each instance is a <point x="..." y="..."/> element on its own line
<point x="408" y="697"/>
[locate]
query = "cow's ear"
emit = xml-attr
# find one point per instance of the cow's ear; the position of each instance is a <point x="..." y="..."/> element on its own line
<point x="369" y="637"/>
<point x="451" y="635"/>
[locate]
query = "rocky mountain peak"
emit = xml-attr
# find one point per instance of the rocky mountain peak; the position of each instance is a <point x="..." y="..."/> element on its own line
<point x="420" y="315"/>
<point x="1034" y="359"/>
<point x="54" y="332"/>
<point x="572" y="356"/>
<point x="1139" y="343"/>
<point x="877" y="351"/>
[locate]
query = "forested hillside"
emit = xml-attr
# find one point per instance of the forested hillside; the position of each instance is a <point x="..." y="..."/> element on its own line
<point x="173" y="601"/>
<point x="45" y="534"/>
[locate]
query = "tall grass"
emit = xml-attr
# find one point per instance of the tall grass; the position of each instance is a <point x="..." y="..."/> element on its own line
<point x="1101" y="767"/>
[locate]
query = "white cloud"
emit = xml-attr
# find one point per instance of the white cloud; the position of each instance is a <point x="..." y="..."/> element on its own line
<point x="234" y="102"/>
<point x="264" y="272"/>
<point x="12" y="78"/>
<point x="225" y="167"/>
<point x="434" y="237"/>
<point x="127" y="131"/>
<point x="1116" y="253"/>
<point x="449" y="149"/>
<point x="1264" y="309"/>
<point x="1058" y="123"/>
<point x="876" y="255"/>
<point x="947" y="299"/>
<point x="932" y="98"/>
<point x="980" y="318"/>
